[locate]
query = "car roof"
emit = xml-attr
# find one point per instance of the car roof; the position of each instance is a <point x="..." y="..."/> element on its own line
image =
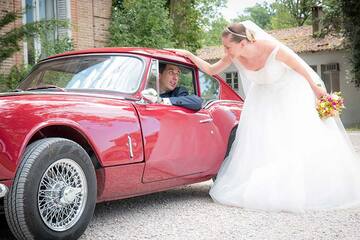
<point x="150" y="52"/>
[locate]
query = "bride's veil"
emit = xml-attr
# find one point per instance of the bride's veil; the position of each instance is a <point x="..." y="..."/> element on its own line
<point x="260" y="34"/>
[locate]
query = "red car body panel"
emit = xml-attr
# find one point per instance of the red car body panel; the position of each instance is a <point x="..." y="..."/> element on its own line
<point x="171" y="145"/>
<point x="165" y="128"/>
<point x="91" y="116"/>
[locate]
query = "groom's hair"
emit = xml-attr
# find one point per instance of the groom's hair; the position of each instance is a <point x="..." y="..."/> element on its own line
<point x="162" y="67"/>
<point x="234" y="30"/>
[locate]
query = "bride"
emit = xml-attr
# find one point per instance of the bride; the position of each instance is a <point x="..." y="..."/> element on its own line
<point x="284" y="157"/>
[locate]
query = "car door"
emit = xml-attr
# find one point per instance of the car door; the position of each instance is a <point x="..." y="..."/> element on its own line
<point x="177" y="141"/>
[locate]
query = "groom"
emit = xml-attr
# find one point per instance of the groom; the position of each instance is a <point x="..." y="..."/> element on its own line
<point x="170" y="93"/>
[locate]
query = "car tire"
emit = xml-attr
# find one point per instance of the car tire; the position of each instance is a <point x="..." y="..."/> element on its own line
<point x="230" y="142"/>
<point x="53" y="195"/>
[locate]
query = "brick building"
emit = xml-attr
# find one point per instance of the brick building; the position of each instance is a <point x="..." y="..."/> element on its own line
<point x="89" y="21"/>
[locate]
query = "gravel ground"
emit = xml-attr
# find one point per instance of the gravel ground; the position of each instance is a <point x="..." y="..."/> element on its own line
<point x="189" y="213"/>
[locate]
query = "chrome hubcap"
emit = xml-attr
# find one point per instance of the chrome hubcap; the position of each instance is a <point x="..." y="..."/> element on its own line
<point x="62" y="195"/>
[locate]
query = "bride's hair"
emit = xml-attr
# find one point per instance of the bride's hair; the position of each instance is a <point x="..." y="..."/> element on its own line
<point x="238" y="33"/>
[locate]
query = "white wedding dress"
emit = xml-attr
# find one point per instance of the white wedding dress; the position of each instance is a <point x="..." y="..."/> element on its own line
<point x="284" y="157"/>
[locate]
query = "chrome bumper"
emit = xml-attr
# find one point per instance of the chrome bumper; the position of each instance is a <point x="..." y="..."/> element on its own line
<point x="3" y="190"/>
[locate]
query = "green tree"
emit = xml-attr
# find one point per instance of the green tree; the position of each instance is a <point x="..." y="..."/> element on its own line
<point x="160" y="23"/>
<point x="212" y="36"/>
<point x="292" y="13"/>
<point x="144" y="23"/>
<point x="117" y="3"/>
<point x="333" y="16"/>
<point x="209" y="11"/>
<point x="192" y="20"/>
<point x="10" y="44"/>
<point x="11" y="80"/>
<point x="187" y="30"/>
<point x="260" y="14"/>
<point x="282" y="17"/>
<point x="350" y="10"/>
<point x="10" y="41"/>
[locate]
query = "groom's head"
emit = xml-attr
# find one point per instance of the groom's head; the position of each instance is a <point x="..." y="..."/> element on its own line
<point x="169" y="76"/>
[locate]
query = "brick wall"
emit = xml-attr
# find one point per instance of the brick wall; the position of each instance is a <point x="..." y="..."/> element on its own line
<point x="90" y="21"/>
<point x="101" y="21"/>
<point x="10" y="5"/>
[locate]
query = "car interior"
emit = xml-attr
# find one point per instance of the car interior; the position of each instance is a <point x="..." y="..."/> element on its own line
<point x="187" y="77"/>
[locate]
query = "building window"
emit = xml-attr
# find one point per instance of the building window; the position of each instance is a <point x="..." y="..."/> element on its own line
<point x="233" y="80"/>
<point x="314" y="67"/>
<point x="330" y="74"/>
<point x="42" y="10"/>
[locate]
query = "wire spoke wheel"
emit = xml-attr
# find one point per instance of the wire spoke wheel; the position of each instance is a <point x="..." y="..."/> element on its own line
<point x="62" y="195"/>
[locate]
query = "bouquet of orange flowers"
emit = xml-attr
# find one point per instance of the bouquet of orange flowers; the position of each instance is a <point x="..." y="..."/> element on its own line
<point x="330" y="105"/>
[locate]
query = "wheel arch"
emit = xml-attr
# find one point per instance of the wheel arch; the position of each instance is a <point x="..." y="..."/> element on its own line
<point x="67" y="132"/>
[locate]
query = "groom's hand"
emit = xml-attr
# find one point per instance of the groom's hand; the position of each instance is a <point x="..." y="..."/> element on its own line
<point x="151" y="95"/>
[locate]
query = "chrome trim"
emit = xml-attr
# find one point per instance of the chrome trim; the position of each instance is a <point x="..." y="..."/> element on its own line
<point x="219" y="101"/>
<point x="3" y="190"/>
<point x="156" y="72"/>
<point x="72" y="93"/>
<point x="130" y="147"/>
<point x="206" y="120"/>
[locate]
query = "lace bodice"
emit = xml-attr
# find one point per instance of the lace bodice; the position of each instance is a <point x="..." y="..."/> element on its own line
<point x="271" y="72"/>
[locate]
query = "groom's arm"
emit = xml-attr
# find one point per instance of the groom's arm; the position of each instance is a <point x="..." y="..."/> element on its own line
<point x="183" y="99"/>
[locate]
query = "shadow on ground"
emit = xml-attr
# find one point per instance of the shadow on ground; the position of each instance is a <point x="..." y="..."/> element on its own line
<point x="127" y="206"/>
<point x="5" y="233"/>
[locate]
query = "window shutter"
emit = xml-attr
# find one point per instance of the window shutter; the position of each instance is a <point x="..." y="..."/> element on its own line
<point x="62" y="14"/>
<point x="228" y="77"/>
<point x="330" y="74"/>
<point x="236" y="81"/>
<point x="335" y="81"/>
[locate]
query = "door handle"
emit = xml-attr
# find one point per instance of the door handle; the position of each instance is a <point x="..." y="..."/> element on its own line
<point x="206" y="120"/>
<point x="130" y="147"/>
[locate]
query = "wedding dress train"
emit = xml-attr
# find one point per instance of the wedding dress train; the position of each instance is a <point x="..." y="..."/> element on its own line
<point x="284" y="156"/>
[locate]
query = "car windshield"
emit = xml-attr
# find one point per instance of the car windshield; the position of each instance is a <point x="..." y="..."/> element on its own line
<point x="115" y="73"/>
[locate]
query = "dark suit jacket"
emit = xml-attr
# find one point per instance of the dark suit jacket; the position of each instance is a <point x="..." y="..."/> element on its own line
<point x="180" y="97"/>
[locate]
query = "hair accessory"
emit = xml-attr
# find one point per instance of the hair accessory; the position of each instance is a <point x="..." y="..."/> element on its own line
<point x="236" y="34"/>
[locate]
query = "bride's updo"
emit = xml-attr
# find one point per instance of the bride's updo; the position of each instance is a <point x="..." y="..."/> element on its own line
<point x="238" y="32"/>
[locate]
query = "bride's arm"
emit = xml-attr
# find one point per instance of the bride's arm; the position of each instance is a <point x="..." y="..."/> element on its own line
<point x="296" y="66"/>
<point x="211" y="69"/>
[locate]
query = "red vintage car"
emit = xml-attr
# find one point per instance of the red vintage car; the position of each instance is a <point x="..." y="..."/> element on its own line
<point x="78" y="132"/>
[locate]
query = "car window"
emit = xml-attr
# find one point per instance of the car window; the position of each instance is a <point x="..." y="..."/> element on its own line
<point x="116" y="73"/>
<point x="209" y="87"/>
<point x="186" y="78"/>
<point x="153" y="75"/>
